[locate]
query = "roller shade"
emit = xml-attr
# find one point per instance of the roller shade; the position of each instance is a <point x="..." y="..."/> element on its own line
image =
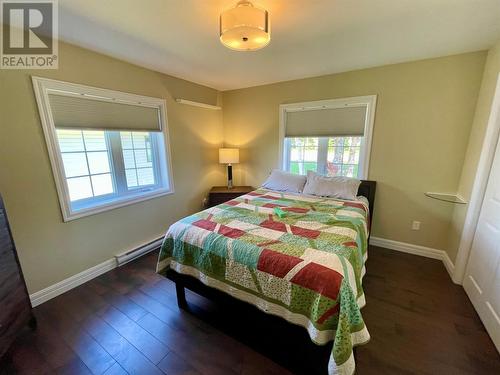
<point x="88" y="113"/>
<point x="347" y="121"/>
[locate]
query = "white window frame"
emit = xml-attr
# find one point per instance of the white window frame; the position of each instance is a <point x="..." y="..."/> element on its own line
<point x="42" y="88"/>
<point x="368" y="101"/>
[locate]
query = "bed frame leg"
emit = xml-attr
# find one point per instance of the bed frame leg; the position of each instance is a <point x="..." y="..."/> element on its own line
<point x="181" y="296"/>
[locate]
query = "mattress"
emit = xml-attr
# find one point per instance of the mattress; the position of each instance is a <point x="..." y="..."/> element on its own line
<point x="299" y="257"/>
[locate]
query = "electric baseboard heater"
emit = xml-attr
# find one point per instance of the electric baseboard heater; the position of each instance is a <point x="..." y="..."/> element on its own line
<point x="135" y="253"/>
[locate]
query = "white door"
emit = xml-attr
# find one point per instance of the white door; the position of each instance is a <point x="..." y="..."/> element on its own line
<point x="482" y="275"/>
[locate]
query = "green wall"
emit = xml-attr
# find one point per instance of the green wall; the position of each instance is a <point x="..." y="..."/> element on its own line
<point x="422" y="124"/>
<point x="51" y="250"/>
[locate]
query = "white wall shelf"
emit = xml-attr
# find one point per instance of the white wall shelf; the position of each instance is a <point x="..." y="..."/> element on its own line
<point x="197" y="104"/>
<point x="446" y="197"/>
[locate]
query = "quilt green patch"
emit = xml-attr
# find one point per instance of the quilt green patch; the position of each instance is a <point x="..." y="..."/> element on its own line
<point x="246" y="254"/>
<point x="309" y="303"/>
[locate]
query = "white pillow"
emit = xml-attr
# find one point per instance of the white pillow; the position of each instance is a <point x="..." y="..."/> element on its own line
<point x="334" y="187"/>
<point x="284" y="181"/>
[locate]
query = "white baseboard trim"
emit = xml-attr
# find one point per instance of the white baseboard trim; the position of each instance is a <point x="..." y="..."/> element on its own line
<point x="450" y="267"/>
<point x="56" y="289"/>
<point x="71" y="282"/>
<point x="423" y="251"/>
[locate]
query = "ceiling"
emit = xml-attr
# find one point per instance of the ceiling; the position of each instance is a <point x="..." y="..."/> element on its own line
<point x="308" y="37"/>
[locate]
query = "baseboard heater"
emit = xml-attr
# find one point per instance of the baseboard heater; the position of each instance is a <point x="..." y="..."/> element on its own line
<point x="132" y="254"/>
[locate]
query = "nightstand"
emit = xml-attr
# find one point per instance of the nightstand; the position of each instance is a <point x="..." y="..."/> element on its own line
<point x="221" y="194"/>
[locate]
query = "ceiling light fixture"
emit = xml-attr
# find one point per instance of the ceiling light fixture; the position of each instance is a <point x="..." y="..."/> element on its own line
<point x="245" y="27"/>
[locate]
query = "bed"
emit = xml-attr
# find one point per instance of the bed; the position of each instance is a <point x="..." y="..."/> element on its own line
<point x="299" y="257"/>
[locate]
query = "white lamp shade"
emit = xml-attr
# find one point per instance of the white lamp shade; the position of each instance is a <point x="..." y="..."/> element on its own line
<point x="245" y="27"/>
<point x="229" y="155"/>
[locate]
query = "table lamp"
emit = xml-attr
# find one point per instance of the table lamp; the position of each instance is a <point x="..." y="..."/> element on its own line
<point x="229" y="156"/>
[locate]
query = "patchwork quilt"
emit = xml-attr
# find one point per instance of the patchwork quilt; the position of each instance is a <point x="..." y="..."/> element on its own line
<point x="295" y="256"/>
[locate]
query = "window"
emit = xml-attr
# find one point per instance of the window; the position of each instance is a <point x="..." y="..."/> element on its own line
<point x="331" y="156"/>
<point x="92" y="177"/>
<point x="137" y="151"/>
<point x="107" y="148"/>
<point x="330" y="137"/>
<point x="87" y="163"/>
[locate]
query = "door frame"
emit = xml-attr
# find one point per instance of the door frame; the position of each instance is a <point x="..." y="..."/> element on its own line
<point x="490" y="141"/>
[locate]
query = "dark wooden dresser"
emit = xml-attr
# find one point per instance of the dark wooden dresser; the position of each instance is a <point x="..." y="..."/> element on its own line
<point x="221" y="194"/>
<point x="15" y="306"/>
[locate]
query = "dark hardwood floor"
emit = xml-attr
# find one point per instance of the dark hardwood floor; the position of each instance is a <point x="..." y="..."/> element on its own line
<point x="127" y="321"/>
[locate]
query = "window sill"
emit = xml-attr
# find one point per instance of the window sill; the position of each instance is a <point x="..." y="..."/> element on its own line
<point x="69" y="215"/>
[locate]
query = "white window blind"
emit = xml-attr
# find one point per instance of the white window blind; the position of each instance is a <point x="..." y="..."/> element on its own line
<point x="93" y="113"/>
<point x="325" y="122"/>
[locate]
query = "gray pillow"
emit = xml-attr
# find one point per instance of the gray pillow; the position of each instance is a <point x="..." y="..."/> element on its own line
<point x="285" y="181"/>
<point x="333" y="187"/>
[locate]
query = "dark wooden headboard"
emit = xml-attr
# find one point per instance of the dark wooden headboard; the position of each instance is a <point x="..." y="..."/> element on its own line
<point x="367" y="189"/>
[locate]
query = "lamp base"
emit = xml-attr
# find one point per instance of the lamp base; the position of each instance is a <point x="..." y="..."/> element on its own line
<point x="229" y="176"/>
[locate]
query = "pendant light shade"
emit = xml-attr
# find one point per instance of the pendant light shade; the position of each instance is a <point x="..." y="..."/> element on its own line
<point x="245" y="27"/>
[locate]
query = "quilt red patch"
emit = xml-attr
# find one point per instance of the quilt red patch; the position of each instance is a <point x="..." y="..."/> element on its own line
<point x="356" y="205"/>
<point x="298" y="231"/>
<point x="276" y="225"/>
<point x="254" y="193"/>
<point x="205" y="224"/>
<point x="303" y="232"/>
<point x="319" y="278"/>
<point x="269" y="197"/>
<point x="272" y="205"/>
<point x="275" y="263"/>
<point x="230" y="232"/>
<point x="298" y="210"/>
